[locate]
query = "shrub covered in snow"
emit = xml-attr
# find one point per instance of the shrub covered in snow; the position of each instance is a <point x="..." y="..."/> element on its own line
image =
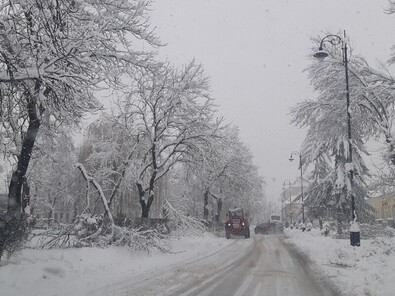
<point x="368" y="231"/>
<point x="14" y="231"/>
<point x="375" y="231"/>
<point x="140" y="240"/>
<point x="96" y="231"/>
<point x="180" y="222"/>
<point x="87" y="225"/>
<point x="377" y="248"/>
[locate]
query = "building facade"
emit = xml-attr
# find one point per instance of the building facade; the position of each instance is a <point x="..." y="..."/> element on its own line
<point x="384" y="206"/>
<point x="291" y="198"/>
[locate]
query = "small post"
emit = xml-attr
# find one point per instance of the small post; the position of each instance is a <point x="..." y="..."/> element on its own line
<point x="355" y="232"/>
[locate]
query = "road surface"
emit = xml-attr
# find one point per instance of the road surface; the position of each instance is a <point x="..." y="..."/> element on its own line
<point x="261" y="265"/>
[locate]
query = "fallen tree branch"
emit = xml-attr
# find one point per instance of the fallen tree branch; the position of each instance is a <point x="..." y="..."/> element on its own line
<point x="90" y="179"/>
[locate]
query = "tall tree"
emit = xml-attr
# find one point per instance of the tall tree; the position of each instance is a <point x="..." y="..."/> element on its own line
<point x="52" y="175"/>
<point x="225" y="171"/>
<point x="372" y="93"/>
<point x="53" y="56"/>
<point x="172" y="112"/>
<point x="109" y="153"/>
<point x="326" y="143"/>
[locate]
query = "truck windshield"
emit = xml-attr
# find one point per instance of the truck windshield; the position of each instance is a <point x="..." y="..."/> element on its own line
<point x="236" y="213"/>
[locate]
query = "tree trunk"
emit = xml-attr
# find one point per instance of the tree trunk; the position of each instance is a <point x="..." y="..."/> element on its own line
<point x="50" y="216"/>
<point x="25" y="193"/>
<point x="145" y="205"/>
<point x="205" y="209"/>
<point x="219" y="209"/>
<point x="391" y="148"/>
<point x="18" y="176"/>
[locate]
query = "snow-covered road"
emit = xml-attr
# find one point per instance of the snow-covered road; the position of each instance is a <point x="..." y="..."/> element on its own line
<point x="262" y="265"/>
<point x="208" y="265"/>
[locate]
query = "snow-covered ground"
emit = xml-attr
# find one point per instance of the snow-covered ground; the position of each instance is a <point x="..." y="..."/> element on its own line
<point x="366" y="270"/>
<point x="80" y="271"/>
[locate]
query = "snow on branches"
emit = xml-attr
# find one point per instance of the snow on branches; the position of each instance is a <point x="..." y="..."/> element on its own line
<point x="54" y="56"/>
<point x="181" y="222"/>
<point x="172" y="113"/>
<point x="327" y="144"/>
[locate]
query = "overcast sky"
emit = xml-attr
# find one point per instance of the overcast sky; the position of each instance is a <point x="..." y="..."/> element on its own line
<point x="255" y="52"/>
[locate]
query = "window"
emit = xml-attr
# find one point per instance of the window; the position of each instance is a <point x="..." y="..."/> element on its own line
<point x="236" y="213"/>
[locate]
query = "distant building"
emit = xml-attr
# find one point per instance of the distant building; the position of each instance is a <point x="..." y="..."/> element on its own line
<point x="384" y="206"/>
<point x="292" y="201"/>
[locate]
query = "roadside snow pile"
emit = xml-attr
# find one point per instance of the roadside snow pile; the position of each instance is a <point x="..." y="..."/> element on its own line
<point x="368" y="231"/>
<point x="365" y="270"/>
<point x="376" y="230"/>
<point x="78" y="271"/>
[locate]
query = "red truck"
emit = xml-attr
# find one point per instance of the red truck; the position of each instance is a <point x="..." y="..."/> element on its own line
<point x="237" y="223"/>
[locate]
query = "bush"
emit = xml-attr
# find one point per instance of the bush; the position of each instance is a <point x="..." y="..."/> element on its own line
<point x="181" y="223"/>
<point x="138" y="239"/>
<point x="14" y="231"/>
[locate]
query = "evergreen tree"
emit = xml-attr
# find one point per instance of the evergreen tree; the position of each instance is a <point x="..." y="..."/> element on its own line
<point x="327" y="145"/>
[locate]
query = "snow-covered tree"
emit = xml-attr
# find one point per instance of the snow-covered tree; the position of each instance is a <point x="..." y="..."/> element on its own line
<point x="326" y="145"/>
<point x="54" y="56"/>
<point x="52" y="176"/>
<point x="172" y="113"/>
<point x="223" y="170"/>
<point x="109" y="152"/>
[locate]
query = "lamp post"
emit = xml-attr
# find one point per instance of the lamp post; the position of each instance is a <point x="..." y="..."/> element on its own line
<point x="290" y="202"/>
<point x="301" y="182"/>
<point x="321" y="55"/>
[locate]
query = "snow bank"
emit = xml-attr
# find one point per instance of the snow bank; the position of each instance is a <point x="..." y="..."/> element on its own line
<point x="78" y="271"/>
<point x="366" y="270"/>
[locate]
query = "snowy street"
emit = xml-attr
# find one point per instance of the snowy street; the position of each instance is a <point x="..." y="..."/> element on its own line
<point x="262" y="265"/>
<point x="90" y="271"/>
<point x="206" y="265"/>
<point x="298" y="263"/>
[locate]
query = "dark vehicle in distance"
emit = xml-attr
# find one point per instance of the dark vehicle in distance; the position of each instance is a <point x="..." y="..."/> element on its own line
<point x="274" y="225"/>
<point x="237" y="223"/>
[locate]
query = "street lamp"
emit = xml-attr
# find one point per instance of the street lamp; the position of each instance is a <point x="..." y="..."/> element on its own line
<point x="301" y="182"/>
<point x="321" y="55"/>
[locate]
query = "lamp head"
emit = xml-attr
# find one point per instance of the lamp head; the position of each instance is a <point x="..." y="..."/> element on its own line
<point x="320" y="54"/>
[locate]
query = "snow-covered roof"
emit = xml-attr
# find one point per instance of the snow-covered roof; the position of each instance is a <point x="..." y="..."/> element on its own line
<point x="383" y="196"/>
<point x="235" y="209"/>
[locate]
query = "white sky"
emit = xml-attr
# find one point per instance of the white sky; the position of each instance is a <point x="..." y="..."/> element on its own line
<point x="255" y="52"/>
